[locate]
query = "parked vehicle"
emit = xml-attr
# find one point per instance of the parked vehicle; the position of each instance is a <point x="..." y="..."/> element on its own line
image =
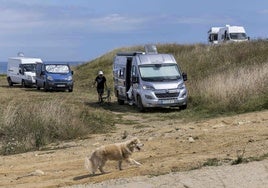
<point x="54" y="77"/>
<point x="232" y="34"/>
<point x="213" y="35"/>
<point x="218" y="35"/>
<point x="149" y="79"/>
<point x="21" y="70"/>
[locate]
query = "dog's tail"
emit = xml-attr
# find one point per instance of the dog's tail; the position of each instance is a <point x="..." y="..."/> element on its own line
<point x="88" y="164"/>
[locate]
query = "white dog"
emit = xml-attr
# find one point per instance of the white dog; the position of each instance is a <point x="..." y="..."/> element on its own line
<point x="119" y="152"/>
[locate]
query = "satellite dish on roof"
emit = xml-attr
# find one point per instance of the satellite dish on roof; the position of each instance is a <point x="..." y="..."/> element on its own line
<point x="20" y="54"/>
<point x="150" y="49"/>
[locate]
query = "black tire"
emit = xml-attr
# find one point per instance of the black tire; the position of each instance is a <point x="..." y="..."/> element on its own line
<point x="120" y="101"/>
<point x="70" y="89"/>
<point x="37" y="87"/>
<point x="9" y="82"/>
<point x="23" y="83"/>
<point x="140" y="106"/>
<point x="45" y="87"/>
<point x="183" y="107"/>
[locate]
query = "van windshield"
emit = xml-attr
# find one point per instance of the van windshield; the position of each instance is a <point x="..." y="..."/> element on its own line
<point x="159" y="72"/>
<point x="29" y="67"/>
<point x="238" y="36"/>
<point x="57" y="68"/>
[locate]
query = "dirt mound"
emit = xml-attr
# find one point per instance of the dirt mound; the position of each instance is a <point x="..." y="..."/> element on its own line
<point x="170" y="147"/>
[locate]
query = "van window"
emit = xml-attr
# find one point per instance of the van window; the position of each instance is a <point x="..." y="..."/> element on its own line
<point x="122" y="73"/>
<point x="29" y="67"/>
<point x="159" y="72"/>
<point x="134" y="71"/>
<point x="57" y="68"/>
<point x="238" y="36"/>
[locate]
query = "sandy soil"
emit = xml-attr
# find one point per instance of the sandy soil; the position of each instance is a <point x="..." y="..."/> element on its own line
<point x="173" y="156"/>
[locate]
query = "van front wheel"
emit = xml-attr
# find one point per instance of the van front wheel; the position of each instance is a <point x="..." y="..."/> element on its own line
<point x="140" y="105"/>
<point x="183" y="107"/>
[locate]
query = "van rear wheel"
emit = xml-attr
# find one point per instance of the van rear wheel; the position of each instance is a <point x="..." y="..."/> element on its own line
<point x="23" y="83"/>
<point x="120" y="101"/>
<point x="9" y="82"/>
<point x="37" y="86"/>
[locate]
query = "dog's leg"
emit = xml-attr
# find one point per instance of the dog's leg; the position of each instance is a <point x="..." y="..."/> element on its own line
<point x="101" y="167"/>
<point x="90" y="166"/>
<point x="132" y="161"/>
<point x="101" y="170"/>
<point x="120" y="165"/>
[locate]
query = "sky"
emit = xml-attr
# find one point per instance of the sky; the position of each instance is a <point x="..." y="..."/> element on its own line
<point x="82" y="30"/>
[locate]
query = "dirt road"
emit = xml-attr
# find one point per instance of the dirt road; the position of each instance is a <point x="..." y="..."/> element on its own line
<point x="172" y="150"/>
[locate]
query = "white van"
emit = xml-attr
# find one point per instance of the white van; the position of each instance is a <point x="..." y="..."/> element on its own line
<point x="213" y="35"/>
<point x="148" y="79"/>
<point x="21" y="70"/>
<point x="232" y="34"/>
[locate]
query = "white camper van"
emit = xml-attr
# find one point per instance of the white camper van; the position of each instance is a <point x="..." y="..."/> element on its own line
<point x="148" y="79"/>
<point x="213" y="35"/>
<point x="232" y="34"/>
<point x="21" y="70"/>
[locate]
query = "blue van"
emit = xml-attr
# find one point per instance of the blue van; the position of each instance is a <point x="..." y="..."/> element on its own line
<point x="54" y="77"/>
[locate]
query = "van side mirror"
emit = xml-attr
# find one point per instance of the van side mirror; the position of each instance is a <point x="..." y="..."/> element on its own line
<point x="135" y="79"/>
<point x="72" y="72"/>
<point x="184" y="76"/>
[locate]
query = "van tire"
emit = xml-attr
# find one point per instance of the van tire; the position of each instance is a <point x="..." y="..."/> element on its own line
<point x="183" y="107"/>
<point x="139" y="104"/>
<point x="45" y="87"/>
<point x="120" y="101"/>
<point x="23" y="83"/>
<point x="9" y="82"/>
<point x="70" y="90"/>
<point x="37" y="87"/>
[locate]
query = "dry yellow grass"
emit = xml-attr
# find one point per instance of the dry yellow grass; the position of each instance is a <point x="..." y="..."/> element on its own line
<point x="222" y="79"/>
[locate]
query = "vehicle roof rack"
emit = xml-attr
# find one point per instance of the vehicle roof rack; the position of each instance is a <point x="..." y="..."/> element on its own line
<point x="128" y="53"/>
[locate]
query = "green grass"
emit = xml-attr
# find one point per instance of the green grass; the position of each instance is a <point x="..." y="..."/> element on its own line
<point x="222" y="80"/>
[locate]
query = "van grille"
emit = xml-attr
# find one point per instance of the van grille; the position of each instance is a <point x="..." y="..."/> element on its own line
<point x="166" y="95"/>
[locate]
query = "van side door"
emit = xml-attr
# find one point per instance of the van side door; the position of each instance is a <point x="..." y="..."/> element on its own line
<point x="135" y="80"/>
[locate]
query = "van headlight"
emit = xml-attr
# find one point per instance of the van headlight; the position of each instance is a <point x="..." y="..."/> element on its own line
<point x="181" y="86"/>
<point x="70" y="78"/>
<point x="148" y="87"/>
<point x="49" y="78"/>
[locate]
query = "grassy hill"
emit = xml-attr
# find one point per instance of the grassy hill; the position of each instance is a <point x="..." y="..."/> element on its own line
<point x="222" y="79"/>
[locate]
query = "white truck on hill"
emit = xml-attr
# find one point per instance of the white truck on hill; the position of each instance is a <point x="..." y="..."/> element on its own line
<point x="21" y="70"/>
<point x="213" y="35"/>
<point x="218" y="35"/>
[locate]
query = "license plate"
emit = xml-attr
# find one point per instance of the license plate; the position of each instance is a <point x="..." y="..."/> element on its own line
<point x="168" y="101"/>
<point x="60" y="85"/>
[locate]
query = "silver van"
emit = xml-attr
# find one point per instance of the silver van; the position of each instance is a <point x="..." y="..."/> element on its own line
<point x="149" y="79"/>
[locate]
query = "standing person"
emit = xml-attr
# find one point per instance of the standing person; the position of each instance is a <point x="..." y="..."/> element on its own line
<point x="100" y="80"/>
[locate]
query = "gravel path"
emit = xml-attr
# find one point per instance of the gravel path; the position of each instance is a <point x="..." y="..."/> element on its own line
<point x="250" y="175"/>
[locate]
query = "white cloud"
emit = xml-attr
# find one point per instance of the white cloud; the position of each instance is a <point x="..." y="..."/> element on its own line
<point x="116" y="23"/>
<point x="265" y="11"/>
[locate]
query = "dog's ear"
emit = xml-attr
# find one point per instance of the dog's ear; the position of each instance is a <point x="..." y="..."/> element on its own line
<point x="134" y="140"/>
